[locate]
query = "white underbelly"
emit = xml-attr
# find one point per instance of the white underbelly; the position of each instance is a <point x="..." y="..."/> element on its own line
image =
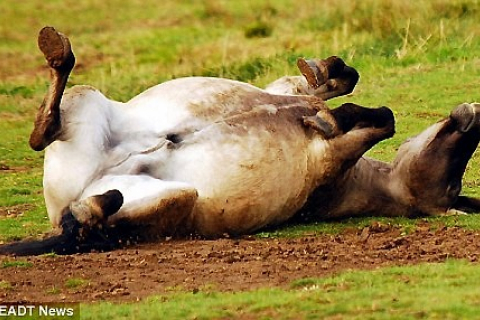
<point x="245" y="179"/>
<point x="242" y="181"/>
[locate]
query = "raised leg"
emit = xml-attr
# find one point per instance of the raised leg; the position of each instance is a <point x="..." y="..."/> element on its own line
<point x="318" y="72"/>
<point x="329" y="78"/>
<point x="350" y="116"/>
<point x="360" y="129"/>
<point x="325" y="79"/>
<point x="356" y="130"/>
<point x="58" y="53"/>
<point x="352" y="188"/>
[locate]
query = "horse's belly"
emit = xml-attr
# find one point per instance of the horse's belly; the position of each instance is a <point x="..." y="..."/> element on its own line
<point x="244" y="182"/>
<point x="189" y="102"/>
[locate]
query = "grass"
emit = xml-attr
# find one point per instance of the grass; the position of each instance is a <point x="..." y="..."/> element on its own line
<point x="53" y="291"/>
<point x="422" y="291"/>
<point x="16" y="263"/>
<point x="471" y="222"/>
<point x="74" y="283"/>
<point x="5" y="285"/>
<point x="418" y="57"/>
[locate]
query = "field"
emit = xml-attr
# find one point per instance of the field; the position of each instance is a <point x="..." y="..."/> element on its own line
<point x="419" y="58"/>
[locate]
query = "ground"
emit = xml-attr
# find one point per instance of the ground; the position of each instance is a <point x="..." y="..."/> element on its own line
<point x="137" y="272"/>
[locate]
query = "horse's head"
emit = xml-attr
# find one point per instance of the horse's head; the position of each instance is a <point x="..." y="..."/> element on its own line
<point x="431" y="165"/>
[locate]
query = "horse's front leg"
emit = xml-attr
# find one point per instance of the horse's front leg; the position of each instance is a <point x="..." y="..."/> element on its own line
<point x="323" y="78"/>
<point x="81" y="229"/>
<point x="330" y="77"/>
<point x="115" y="210"/>
<point x="350" y="189"/>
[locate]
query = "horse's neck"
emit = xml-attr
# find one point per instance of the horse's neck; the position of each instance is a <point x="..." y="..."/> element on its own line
<point x="366" y="188"/>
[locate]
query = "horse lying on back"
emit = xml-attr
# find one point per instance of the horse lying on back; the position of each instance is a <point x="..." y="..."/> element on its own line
<point x="211" y="156"/>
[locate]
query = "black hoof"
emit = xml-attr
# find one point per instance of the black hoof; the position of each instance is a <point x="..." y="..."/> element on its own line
<point x="110" y="202"/>
<point x="383" y="117"/>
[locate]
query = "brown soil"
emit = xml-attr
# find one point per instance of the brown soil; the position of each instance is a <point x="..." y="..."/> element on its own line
<point x="227" y="264"/>
<point x="14" y="211"/>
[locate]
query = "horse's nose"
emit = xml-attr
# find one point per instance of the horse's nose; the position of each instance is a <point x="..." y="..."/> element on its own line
<point x="467" y="116"/>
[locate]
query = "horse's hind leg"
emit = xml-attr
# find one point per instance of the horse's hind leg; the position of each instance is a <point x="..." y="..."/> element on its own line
<point x="58" y="53"/>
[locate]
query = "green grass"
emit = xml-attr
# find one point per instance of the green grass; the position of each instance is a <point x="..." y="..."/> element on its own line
<point x="5" y="285"/>
<point x="471" y="222"/>
<point x="433" y="291"/>
<point x="418" y="57"/>
<point x="74" y="283"/>
<point x="16" y="263"/>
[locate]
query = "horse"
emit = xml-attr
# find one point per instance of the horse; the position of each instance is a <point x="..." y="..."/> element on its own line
<point x="217" y="157"/>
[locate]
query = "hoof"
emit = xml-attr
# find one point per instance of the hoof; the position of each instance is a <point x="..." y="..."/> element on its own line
<point x="110" y="202"/>
<point x="467" y="116"/>
<point x="319" y="125"/>
<point x="56" y="49"/>
<point x="315" y="72"/>
<point x="94" y="211"/>
<point x="384" y="117"/>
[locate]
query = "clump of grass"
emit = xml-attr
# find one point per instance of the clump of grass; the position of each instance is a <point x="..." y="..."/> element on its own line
<point x="5" y="285"/>
<point x="405" y="30"/>
<point x="22" y="91"/>
<point x="258" y="29"/>
<point x="17" y="264"/>
<point x="53" y="290"/>
<point x="246" y="71"/>
<point x="74" y="283"/>
<point x="456" y="9"/>
<point x="50" y="255"/>
<point x="213" y="9"/>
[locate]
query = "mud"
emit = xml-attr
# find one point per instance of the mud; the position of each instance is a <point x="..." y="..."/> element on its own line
<point x="136" y="272"/>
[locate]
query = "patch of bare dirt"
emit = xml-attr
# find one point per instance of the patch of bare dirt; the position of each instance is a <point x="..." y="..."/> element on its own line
<point x="227" y="264"/>
<point x="4" y="167"/>
<point x="14" y="211"/>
